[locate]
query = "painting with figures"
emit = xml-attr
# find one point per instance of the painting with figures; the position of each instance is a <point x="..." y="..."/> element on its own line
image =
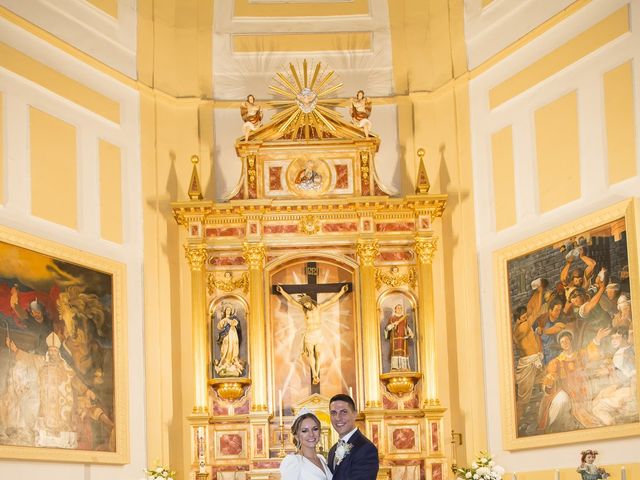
<point x="568" y="322"/>
<point x="312" y="335"/>
<point x="58" y="367"/>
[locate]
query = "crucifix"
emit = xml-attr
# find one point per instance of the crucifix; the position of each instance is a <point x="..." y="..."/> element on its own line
<point x="307" y="301"/>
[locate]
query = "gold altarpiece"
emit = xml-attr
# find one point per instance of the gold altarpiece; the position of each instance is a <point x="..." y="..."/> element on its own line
<point x="310" y="215"/>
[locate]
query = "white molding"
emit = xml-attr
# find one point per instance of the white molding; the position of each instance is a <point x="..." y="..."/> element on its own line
<point x="110" y="40"/>
<point x="236" y="74"/>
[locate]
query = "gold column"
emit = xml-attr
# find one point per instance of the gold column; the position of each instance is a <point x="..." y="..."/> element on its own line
<point x="254" y="254"/>
<point x="367" y="251"/>
<point x="196" y="256"/>
<point x="425" y="250"/>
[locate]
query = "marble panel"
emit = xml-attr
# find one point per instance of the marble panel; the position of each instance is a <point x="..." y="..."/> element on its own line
<point x="435" y="437"/>
<point x="340" y="227"/>
<point x="224" y="232"/>
<point x="280" y="228"/>
<point x="404" y="438"/>
<point x="342" y="176"/>
<point x="395" y="227"/>
<point x="436" y="471"/>
<point x="225" y="261"/>
<point x="230" y="444"/>
<point x="397" y="256"/>
<point x="275" y="178"/>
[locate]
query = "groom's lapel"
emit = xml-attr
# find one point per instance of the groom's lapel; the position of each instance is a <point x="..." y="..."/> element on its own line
<point x="332" y="456"/>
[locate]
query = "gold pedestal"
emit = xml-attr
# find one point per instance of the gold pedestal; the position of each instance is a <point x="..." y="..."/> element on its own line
<point x="230" y="388"/>
<point x="400" y="383"/>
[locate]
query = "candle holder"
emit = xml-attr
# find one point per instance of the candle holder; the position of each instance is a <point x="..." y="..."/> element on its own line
<point x="456" y="439"/>
<point x="281" y="452"/>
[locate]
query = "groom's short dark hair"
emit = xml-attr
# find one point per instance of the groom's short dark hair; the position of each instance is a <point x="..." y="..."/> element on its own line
<point x="343" y="397"/>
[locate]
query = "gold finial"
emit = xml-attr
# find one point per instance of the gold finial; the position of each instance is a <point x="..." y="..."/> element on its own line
<point x="422" y="182"/>
<point x="195" y="192"/>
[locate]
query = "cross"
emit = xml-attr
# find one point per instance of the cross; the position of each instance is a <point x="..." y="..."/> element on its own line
<point x="312" y="288"/>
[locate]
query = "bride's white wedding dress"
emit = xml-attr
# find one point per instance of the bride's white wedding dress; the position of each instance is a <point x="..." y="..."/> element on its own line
<point x="297" y="467"/>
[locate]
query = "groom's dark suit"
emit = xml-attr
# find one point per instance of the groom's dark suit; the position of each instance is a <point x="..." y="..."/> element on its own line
<point x="361" y="463"/>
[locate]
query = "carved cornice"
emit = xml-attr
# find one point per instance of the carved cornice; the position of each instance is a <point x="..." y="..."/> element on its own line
<point x="254" y="254"/>
<point x="196" y="256"/>
<point x="227" y="283"/>
<point x="426" y="248"/>
<point x="394" y="278"/>
<point x="367" y="251"/>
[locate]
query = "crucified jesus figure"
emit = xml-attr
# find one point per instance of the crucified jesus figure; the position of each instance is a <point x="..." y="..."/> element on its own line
<point x="312" y="340"/>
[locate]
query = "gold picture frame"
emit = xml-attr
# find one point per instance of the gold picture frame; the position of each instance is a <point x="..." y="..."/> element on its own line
<point x="541" y="402"/>
<point x="63" y="343"/>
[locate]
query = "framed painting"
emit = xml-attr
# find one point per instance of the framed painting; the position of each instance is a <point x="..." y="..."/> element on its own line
<point x="565" y="301"/>
<point x="63" y="355"/>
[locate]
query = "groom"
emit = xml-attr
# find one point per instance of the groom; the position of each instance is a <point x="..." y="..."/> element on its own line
<point x="354" y="457"/>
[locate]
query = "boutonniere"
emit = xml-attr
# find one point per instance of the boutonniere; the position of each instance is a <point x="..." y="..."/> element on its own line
<point x="342" y="450"/>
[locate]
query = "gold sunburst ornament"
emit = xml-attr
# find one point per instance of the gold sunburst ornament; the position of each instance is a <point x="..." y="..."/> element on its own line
<point x="306" y="114"/>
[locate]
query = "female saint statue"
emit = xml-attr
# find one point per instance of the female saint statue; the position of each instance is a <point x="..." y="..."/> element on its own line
<point x="229" y="365"/>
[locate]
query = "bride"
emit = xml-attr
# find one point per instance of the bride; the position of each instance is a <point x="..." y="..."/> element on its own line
<point x="306" y="463"/>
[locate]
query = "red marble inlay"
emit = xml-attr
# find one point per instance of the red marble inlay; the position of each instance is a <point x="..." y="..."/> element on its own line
<point x="225" y="232"/>
<point x="219" y="409"/>
<point x="275" y="179"/>
<point x="253" y="228"/>
<point x="366" y="225"/>
<point x="280" y="228"/>
<point x="340" y="227"/>
<point x="436" y="471"/>
<point x="259" y="441"/>
<point x="365" y="186"/>
<point x="396" y="256"/>
<point x="377" y="190"/>
<point x="425" y="222"/>
<point x="342" y="176"/>
<point x="414" y="402"/>
<point x="252" y="190"/>
<point x="230" y="444"/>
<point x="395" y="227"/>
<point x="389" y="404"/>
<point x="374" y="434"/>
<point x="194" y="230"/>
<point x="435" y="437"/>
<point x="223" y="261"/>
<point x="404" y="438"/>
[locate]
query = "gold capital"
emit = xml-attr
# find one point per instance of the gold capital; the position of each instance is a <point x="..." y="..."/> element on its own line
<point x="253" y="254"/>
<point x="196" y="256"/>
<point x="367" y="251"/>
<point x="426" y="248"/>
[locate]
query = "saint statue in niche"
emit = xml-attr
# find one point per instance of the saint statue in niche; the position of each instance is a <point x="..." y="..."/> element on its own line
<point x="398" y="332"/>
<point x="229" y="337"/>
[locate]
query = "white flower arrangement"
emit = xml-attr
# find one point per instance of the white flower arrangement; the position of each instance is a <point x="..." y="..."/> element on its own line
<point x="160" y="473"/>
<point x="484" y="468"/>
<point x="342" y="450"/>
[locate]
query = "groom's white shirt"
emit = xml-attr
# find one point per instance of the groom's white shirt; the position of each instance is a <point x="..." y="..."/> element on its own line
<point x="346" y="438"/>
